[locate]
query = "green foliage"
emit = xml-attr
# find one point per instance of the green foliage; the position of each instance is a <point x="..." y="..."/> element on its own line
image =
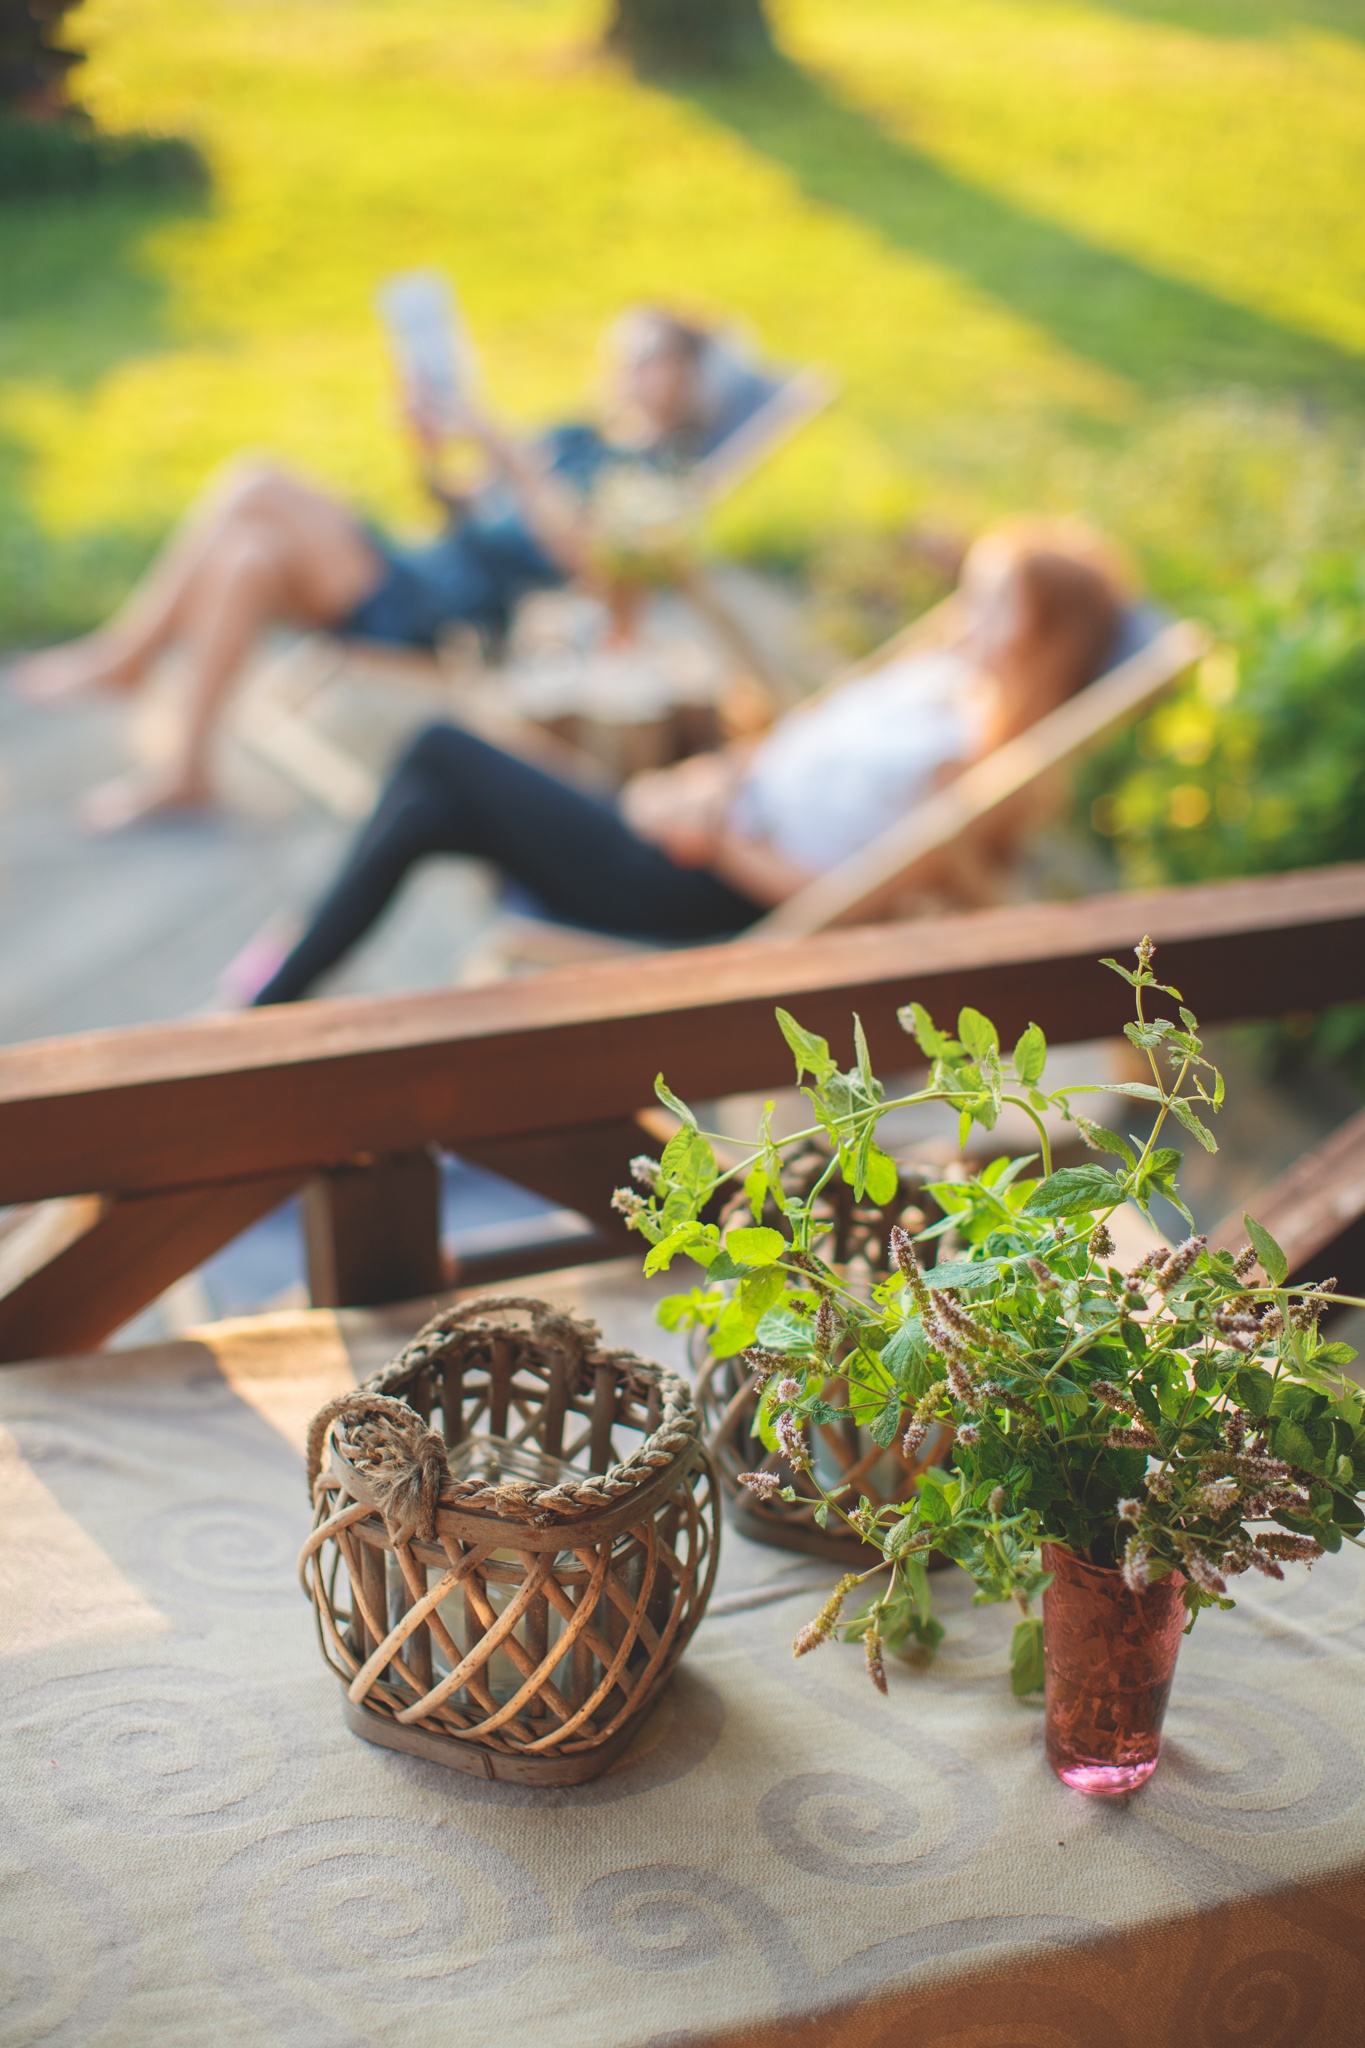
<point x="43" y="157"/>
<point x="1027" y="1671"/>
<point x="1257" y="764"/>
<point x="1180" y="1417"/>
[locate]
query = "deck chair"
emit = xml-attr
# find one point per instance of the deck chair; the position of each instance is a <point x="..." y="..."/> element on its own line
<point x="274" y="720"/>
<point x="952" y="851"/>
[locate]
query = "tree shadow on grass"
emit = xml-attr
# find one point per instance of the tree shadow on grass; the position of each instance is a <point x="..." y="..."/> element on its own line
<point x="1245" y="20"/>
<point x="78" y="300"/>
<point x="1162" y="334"/>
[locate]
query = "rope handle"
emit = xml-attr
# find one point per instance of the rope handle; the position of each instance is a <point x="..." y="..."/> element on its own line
<point x="416" y="1472"/>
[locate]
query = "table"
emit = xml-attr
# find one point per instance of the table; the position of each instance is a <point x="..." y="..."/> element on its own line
<point x="195" y="1850"/>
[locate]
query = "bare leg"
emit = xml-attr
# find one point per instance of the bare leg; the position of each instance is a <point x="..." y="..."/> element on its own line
<point x="228" y="603"/>
<point x="288" y="553"/>
<point x="246" y="493"/>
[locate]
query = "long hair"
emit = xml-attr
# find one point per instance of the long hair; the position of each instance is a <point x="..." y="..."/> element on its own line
<point x="1070" y="586"/>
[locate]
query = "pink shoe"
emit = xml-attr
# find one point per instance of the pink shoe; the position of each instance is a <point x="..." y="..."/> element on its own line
<point x="247" y="973"/>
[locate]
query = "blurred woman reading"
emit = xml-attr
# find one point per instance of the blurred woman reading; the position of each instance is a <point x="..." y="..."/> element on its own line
<point x="700" y="850"/>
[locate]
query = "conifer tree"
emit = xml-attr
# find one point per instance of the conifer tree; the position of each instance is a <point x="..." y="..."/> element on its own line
<point x="35" y="59"/>
<point x="695" y="35"/>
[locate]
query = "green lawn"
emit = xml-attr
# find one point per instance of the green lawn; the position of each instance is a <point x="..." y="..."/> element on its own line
<point x="1108" y="257"/>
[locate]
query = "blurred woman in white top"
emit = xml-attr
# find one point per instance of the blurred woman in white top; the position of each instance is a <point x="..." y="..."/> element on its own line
<point x="702" y="849"/>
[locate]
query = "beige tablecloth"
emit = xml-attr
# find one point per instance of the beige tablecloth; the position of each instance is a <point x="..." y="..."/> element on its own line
<point x="193" y="1849"/>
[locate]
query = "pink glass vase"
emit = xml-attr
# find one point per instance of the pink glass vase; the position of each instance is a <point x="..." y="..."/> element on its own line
<point x="1110" y="1656"/>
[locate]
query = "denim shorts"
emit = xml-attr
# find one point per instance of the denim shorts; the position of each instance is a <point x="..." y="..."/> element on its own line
<point x="398" y="610"/>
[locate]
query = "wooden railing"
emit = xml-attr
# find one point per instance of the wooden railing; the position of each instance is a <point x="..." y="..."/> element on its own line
<point x="140" y="1152"/>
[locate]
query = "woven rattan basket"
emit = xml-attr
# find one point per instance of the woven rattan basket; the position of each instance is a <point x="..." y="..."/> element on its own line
<point x="500" y="1585"/>
<point x="843" y="1453"/>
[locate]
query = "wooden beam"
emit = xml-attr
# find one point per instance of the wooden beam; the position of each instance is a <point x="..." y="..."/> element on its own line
<point x="373" y="1233"/>
<point x="131" y="1249"/>
<point x="579" y="1169"/>
<point x="1315" y="1211"/>
<point x="314" y="1084"/>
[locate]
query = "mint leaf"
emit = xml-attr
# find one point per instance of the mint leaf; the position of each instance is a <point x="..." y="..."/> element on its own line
<point x="755" y="1245"/>
<point x="1030" y="1055"/>
<point x="1181" y="1111"/>
<point x="811" y="1052"/>
<point x="886" y="1423"/>
<point x="915" y="1019"/>
<point x="882" y="1179"/>
<point x="977" y="1033"/>
<point x="672" y="1101"/>
<point x="1074" y="1190"/>
<point x="781" y="1330"/>
<point x="1274" y="1264"/>
<point x="1027" y="1669"/>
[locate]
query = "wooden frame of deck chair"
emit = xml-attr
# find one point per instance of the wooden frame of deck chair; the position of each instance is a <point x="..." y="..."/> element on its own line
<point x="273" y="720"/>
<point x="947" y="852"/>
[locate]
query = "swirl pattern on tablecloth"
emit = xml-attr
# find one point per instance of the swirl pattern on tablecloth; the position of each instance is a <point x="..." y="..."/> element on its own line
<point x="676" y="1739"/>
<point x="837" y="1825"/>
<point x="1273" y="1998"/>
<point x="1023" y="2015"/>
<point x="61" y="1991"/>
<point x="326" y="1932"/>
<point x="221" y="1553"/>
<point x="670" y="1916"/>
<point x="1251" y="1762"/>
<point x="951" y="1781"/>
<point x="848" y="1827"/>
<point x="161" y="1750"/>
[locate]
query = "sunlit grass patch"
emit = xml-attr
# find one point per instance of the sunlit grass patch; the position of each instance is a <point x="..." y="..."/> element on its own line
<point x="1084" y="256"/>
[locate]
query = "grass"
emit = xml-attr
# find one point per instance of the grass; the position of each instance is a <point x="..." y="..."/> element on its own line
<point x="1093" y="256"/>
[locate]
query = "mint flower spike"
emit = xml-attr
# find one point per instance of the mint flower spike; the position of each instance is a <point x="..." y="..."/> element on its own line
<point x="763" y="1485"/>
<point x="827" y="1620"/>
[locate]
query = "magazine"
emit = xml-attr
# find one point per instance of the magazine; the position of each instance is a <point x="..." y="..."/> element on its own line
<point x="432" y="351"/>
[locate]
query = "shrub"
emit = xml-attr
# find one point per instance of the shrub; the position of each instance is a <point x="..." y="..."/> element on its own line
<point x="39" y="157"/>
<point x="1257" y="763"/>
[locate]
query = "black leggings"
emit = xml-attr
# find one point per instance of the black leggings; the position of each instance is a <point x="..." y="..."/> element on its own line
<point x="453" y="793"/>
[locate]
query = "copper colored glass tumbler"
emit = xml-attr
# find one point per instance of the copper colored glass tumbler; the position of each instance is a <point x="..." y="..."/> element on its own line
<point x="1110" y="1657"/>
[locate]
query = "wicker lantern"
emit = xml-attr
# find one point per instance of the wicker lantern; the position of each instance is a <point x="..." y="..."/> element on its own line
<point x="853" y="1240"/>
<point x="499" y="1585"/>
<point x="843" y="1454"/>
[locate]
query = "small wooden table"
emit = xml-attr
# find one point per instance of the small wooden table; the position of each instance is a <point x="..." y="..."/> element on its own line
<point x="197" y="1851"/>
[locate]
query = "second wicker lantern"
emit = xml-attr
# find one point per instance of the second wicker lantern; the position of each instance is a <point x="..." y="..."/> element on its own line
<point x="852" y="1239"/>
<point x="497" y="1586"/>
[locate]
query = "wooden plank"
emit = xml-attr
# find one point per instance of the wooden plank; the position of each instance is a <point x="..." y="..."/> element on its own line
<point x="793" y="405"/>
<point x="373" y="1233"/>
<point x="31" y="1237"/>
<point x="1315" y="1211"/>
<point x="304" y="754"/>
<point x="315" y="1084"/>
<point x="132" y="1249"/>
<point x="861" y="888"/>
